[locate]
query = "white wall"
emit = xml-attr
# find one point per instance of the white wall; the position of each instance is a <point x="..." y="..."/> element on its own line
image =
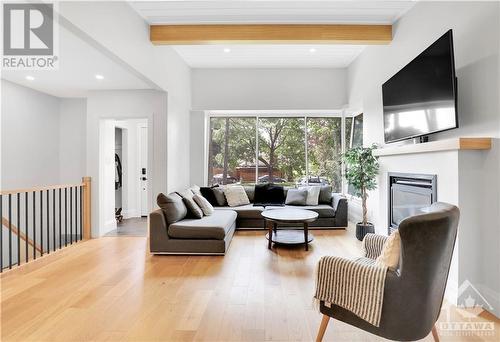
<point x="197" y="148"/>
<point x="30" y="137"/>
<point x="72" y="147"/>
<point x="130" y="45"/>
<point x="476" y="31"/>
<point x="266" y="89"/>
<point x="126" y="104"/>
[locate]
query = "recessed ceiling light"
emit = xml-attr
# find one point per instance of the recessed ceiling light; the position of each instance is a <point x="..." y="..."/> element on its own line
<point x="30" y="78"/>
<point x="312" y="50"/>
<point x="226" y="50"/>
<point x="99" y="77"/>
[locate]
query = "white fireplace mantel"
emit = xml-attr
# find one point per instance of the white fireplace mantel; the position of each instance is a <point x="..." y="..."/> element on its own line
<point x="437" y="146"/>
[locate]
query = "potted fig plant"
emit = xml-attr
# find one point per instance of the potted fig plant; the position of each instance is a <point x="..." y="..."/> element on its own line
<point x="361" y="173"/>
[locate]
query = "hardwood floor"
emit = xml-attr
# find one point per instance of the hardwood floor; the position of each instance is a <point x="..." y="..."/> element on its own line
<point x="112" y="289"/>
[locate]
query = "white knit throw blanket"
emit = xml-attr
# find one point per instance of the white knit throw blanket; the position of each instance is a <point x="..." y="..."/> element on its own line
<point x="355" y="285"/>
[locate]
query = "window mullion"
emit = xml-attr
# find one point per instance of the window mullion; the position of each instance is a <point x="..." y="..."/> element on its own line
<point x="305" y="144"/>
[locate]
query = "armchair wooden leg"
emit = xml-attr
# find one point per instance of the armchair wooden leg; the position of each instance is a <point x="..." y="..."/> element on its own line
<point x="322" y="328"/>
<point x="435" y="334"/>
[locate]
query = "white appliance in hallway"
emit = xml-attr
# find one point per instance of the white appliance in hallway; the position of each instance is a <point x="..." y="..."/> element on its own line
<point x="143" y="163"/>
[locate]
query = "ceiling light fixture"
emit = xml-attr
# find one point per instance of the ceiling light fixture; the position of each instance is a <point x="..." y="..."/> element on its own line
<point x="30" y="78"/>
<point x="99" y="77"/>
<point x="312" y="50"/>
<point x="226" y="50"/>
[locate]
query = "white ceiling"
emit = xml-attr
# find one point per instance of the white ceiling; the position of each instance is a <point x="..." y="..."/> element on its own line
<point x="262" y="11"/>
<point x="79" y="63"/>
<point x="269" y="56"/>
<point x="179" y="12"/>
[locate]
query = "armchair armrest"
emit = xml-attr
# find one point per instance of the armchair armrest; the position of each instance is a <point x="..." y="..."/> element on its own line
<point x="373" y="244"/>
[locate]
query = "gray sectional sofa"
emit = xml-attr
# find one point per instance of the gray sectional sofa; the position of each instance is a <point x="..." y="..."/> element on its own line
<point x="212" y="234"/>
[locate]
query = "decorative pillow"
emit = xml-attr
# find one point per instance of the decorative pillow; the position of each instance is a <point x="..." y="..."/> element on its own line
<point x="312" y="194"/>
<point x="260" y="194"/>
<point x="208" y="193"/>
<point x="172" y="206"/>
<point x="195" y="189"/>
<point x="219" y="196"/>
<point x="325" y="194"/>
<point x="250" y="190"/>
<point x="193" y="208"/>
<point x="389" y="257"/>
<point x="205" y="205"/>
<point x="269" y="194"/>
<point x="296" y="197"/>
<point x="236" y="196"/>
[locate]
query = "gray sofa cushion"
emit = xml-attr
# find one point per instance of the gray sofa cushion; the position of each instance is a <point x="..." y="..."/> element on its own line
<point x="215" y="226"/>
<point x="296" y="197"/>
<point x="325" y="194"/>
<point x="323" y="210"/>
<point x="250" y="190"/>
<point x="248" y="211"/>
<point x="173" y="207"/>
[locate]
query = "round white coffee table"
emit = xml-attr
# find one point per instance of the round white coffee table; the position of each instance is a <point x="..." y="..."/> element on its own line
<point x="289" y="236"/>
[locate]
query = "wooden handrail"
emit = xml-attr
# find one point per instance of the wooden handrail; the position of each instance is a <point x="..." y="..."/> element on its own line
<point x="40" y="188"/>
<point x="16" y="231"/>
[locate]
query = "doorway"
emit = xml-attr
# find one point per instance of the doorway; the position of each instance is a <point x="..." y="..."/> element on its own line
<point x="124" y="176"/>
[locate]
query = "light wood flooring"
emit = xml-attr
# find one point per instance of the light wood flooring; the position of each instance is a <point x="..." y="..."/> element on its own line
<point x="112" y="289"/>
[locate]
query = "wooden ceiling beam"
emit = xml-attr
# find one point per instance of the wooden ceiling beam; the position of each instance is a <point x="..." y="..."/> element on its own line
<point x="270" y="34"/>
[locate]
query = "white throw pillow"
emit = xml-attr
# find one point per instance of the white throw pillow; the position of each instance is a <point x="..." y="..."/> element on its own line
<point x="195" y="189"/>
<point x="236" y="195"/>
<point x="389" y="257"/>
<point x="312" y="194"/>
<point x="205" y="205"/>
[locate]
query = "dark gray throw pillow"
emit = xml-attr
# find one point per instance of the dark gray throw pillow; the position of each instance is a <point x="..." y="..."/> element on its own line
<point x="325" y="194"/>
<point x="173" y="207"/>
<point x="194" y="209"/>
<point x="219" y="196"/>
<point x="296" y="197"/>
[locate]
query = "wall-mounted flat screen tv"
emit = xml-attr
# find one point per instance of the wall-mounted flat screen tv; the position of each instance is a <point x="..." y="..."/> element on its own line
<point x="422" y="97"/>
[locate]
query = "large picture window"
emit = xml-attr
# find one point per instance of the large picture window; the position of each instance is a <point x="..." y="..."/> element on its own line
<point x="290" y="150"/>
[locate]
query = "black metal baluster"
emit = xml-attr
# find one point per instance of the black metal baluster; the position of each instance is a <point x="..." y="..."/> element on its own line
<point x="1" y="233"/>
<point x="71" y="215"/>
<point x="76" y="215"/>
<point x="34" y="225"/>
<point x="81" y="211"/>
<point x="10" y="231"/>
<point x="60" y="233"/>
<point x="65" y="217"/>
<point x="27" y="225"/>
<point x="54" y="219"/>
<point x="18" y="229"/>
<point x="48" y="222"/>
<point x="41" y="223"/>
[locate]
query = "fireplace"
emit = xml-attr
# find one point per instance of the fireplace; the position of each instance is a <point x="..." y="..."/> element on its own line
<point x="408" y="195"/>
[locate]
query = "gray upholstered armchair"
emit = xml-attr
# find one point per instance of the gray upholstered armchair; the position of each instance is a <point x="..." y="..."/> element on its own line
<point x="413" y="294"/>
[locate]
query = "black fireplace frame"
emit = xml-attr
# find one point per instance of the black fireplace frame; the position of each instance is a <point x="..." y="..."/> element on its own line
<point x="424" y="181"/>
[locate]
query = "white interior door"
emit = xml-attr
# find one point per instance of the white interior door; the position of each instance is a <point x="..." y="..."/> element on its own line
<point x="143" y="164"/>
